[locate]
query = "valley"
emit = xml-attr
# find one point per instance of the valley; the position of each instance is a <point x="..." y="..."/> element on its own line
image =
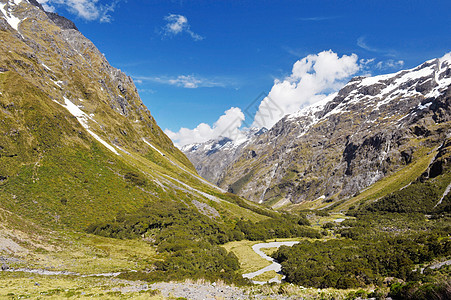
<point x="346" y="197"/>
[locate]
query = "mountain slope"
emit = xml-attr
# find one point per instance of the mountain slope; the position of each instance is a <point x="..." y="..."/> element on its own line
<point x="372" y="128"/>
<point x="78" y="145"/>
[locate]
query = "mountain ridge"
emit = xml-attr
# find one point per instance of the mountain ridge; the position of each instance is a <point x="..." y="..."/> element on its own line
<point x="346" y="127"/>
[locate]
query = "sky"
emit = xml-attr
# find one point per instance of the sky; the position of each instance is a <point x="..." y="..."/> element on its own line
<point x="211" y="68"/>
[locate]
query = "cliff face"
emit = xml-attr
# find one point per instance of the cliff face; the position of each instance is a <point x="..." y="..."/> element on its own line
<point x="372" y="128"/>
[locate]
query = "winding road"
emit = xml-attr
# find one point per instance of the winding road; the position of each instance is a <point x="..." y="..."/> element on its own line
<point x="275" y="266"/>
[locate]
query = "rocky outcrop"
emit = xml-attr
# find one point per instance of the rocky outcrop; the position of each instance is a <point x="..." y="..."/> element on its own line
<point x="60" y="21"/>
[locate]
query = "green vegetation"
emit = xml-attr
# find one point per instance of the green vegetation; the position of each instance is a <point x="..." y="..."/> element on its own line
<point x="32" y="286"/>
<point x="238" y="185"/>
<point x="347" y="263"/>
<point x="418" y="197"/>
<point x="249" y="260"/>
<point x="144" y="213"/>
<point x="189" y="241"/>
<point x="389" y="238"/>
<point x="265" y="277"/>
<point x="435" y="285"/>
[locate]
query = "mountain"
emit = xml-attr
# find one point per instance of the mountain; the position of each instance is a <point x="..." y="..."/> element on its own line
<point x="80" y="153"/>
<point x="74" y="128"/>
<point x="371" y="130"/>
<point x="214" y="156"/>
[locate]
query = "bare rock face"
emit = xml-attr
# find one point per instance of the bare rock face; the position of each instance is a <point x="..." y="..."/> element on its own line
<point x="370" y="129"/>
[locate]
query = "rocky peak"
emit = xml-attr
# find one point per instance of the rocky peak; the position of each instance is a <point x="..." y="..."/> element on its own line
<point x="60" y="21"/>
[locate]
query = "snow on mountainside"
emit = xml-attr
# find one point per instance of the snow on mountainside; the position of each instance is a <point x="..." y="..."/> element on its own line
<point x="334" y="148"/>
<point x="211" y="157"/>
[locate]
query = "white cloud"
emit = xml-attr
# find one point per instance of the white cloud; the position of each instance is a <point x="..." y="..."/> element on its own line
<point x="46" y="5"/>
<point x="185" y="81"/>
<point x="311" y="80"/>
<point x="89" y="10"/>
<point x="361" y="42"/>
<point x="177" y="24"/>
<point x="226" y="126"/>
<point x="368" y="65"/>
<point x="390" y="64"/>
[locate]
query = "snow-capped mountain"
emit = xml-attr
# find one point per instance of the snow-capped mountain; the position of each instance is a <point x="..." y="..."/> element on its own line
<point x="211" y="157"/>
<point x="372" y="128"/>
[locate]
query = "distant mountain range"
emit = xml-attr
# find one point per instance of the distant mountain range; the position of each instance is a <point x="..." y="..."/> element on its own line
<point x="373" y="128"/>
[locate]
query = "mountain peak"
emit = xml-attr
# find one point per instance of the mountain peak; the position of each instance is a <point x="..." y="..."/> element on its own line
<point x="13" y="17"/>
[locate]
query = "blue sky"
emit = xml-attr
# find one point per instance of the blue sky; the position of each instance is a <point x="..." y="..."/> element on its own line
<point x="194" y="60"/>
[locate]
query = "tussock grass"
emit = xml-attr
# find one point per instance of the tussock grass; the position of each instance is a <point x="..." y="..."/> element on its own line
<point x="249" y="260"/>
<point x="23" y="285"/>
<point x="267" y="276"/>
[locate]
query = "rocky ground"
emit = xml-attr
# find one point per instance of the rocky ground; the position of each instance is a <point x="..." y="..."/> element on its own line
<point x="199" y="291"/>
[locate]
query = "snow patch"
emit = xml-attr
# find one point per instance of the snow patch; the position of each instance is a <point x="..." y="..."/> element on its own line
<point x="153" y="147"/>
<point x="369" y="81"/>
<point x="421" y="107"/>
<point x="46" y="67"/>
<point x="83" y="118"/>
<point x="111" y="148"/>
<point x="58" y="83"/>
<point x="12" y="20"/>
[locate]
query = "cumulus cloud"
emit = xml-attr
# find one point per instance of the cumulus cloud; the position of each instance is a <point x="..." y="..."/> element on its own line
<point x="311" y="80"/>
<point x="89" y="10"/>
<point x="226" y="126"/>
<point x="178" y="24"/>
